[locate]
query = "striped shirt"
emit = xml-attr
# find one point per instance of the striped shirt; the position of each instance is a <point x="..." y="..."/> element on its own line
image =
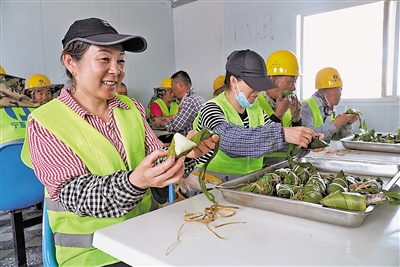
<point x="189" y="107"/>
<point x="66" y="177"/>
<point x="237" y="140"/>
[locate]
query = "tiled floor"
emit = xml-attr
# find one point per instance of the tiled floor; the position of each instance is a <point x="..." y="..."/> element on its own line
<point x="33" y="240"/>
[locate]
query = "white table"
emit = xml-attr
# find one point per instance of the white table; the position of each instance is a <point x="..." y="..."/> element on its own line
<point x="266" y="238"/>
<point x="337" y="151"/>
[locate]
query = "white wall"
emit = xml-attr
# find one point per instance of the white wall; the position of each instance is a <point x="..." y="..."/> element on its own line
<point x="263" y="26"/>
<point x="199" y="43"/>
<point x="196" y="37"/>
<point x="31" y="34"/>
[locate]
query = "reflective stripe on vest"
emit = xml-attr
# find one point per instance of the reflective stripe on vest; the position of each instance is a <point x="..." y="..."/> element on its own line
<point x="69" y="240"/>
<point x="73" y="233"/>
<point x="287" y="116"/>
<point x="13" y="122"/>
<point x="172" y="110"/>
<point x="222" y="163"/>
<point x="315" y="112"/>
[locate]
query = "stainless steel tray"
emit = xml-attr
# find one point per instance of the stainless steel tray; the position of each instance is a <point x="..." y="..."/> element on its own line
<point x="389" y="173"/>
<point x="348" y="143"/>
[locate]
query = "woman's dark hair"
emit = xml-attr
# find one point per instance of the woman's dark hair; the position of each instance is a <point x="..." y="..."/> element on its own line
<point x="76" y="49"/>
<point x="228" y="78"/>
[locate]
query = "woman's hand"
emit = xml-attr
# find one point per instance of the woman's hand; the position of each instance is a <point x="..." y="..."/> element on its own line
<point x="148" y="175"/>
<point x="170" y="171"/>
<point x="320" y="138"/>
<point x="158" y="123"/>
<point x="168" y="118"/>
<point x="203" y="147"/>
<point x="299" y="135"/>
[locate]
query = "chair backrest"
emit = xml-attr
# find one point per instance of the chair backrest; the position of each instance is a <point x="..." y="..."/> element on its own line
<point x="20" y="188"/>
<point x="48" y="247"/>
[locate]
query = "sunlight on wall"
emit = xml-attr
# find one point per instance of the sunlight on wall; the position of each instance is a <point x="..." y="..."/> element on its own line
<point x="349" y="40"/>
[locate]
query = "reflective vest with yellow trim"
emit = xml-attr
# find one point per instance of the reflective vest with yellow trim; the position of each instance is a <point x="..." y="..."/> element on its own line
<point x="73" y="234"/>
<point x="315" y="112"/>
<point x="172" y="110"/>
<point x="287" y="116"/>
<point x="222" y="163"/>
<point x="13" y="123"/>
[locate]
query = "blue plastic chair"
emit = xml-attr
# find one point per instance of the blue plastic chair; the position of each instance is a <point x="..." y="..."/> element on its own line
<point x="48" y="247"/>
<point x="19" y="189"/>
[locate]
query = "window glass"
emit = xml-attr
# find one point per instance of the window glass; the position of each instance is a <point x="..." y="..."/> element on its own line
<point x="349" y="40"/>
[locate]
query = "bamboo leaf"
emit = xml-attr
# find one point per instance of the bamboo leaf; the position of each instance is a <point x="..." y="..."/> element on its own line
<point x="180" y="146"/>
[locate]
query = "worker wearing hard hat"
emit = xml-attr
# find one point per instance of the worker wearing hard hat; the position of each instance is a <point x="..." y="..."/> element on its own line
<point x="318" y="111"/>
<point x="14" y="107"/>
<point x="40" y="88"/>
<point x="247" y="134"/>
<point x="163" y="106"/>
<point x="12" y="87"/>
<point x="283" y="69"/>
<point x="2" y="70"/>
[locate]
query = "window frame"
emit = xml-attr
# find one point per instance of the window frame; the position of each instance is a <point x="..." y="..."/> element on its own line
<point x="390" y="39"/>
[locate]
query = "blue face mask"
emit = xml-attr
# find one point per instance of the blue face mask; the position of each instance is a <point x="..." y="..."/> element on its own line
<point x="242" y="100"/>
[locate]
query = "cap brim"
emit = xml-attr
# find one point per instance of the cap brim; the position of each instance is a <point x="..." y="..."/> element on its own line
<point x="53" y="87"/>
<point x="131" y="43"/>
<point x="260" y="83"/>
<point x="10" y="76"/>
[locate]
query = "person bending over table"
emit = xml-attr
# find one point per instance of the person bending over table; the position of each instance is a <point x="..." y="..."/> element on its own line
<point x="189" y="106"/>
<point x="319" y="109"/>
<point x="94" y="150"/>
<point x="163" y="106"/>
<point x="247" y="134"/>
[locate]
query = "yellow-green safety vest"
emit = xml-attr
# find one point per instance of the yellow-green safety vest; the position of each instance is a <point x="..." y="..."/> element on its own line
<point x="73" y="234"/>
<point x="315" y="112"/>
<point x="172" y="110"/>
<point x="13" y="123"/>
<point x="287" y="116"/>
<point x="222" y="163"/>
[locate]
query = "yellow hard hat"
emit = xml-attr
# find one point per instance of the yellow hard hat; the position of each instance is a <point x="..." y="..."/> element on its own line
<point x="2" y="71"/>
<point x="219" y="82"/>
<point x="39" y="81"/>
<point x="328" y="78"/>
<point x="282" y="62"/>
<point x="166" y="83"/>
